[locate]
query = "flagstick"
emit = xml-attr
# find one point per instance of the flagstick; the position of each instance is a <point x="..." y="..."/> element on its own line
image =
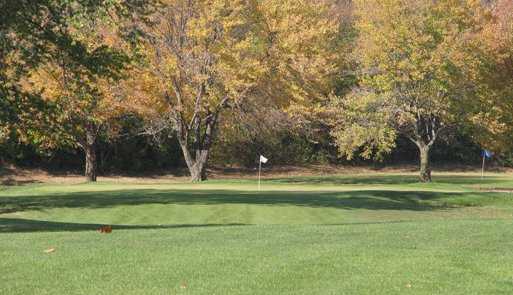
<point x="259" y="169"/>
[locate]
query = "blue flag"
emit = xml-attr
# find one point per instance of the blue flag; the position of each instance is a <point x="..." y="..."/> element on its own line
<point x="487" y="154"/>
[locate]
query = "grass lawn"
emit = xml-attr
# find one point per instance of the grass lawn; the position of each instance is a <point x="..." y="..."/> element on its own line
<point x="366" y="234"/>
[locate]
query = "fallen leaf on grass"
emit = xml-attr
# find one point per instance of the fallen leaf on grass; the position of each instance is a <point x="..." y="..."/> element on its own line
<point x="106" y="229"/>
<point x="50" y="250"/>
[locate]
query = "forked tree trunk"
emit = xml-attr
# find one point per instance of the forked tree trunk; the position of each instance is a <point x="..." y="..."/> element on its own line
<point x="198" y="172"/>
<point x="197" y="166"/>
<point x="426" y="131"/>
<point x="425" y="168"/>
<point x="196" y="155"/>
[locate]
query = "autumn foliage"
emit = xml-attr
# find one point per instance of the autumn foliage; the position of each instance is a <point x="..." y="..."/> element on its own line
<point x="357" y="74"/>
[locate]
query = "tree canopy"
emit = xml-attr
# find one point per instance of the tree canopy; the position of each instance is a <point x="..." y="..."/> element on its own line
<point x="205" y="58"/>
<point x="53" y="58"/>
<point x="360" y="75"/>
<point x="412" y="57"/>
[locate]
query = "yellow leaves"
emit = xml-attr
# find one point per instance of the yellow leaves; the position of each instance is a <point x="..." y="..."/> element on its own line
<point x="271" y="48"/>
<point x="363" y="124"/>
<point x="446" y="59"/>
<point x="302" y="49"/>
<point x="412" y="43"/>
<point x="367" y="141"/>
<point x="491" y="77"/>
<point x="4" y="132"/>
<point x="413" y="56"/>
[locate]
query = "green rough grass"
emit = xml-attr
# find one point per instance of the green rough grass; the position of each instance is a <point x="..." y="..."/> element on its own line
<point x="367" y="234"/>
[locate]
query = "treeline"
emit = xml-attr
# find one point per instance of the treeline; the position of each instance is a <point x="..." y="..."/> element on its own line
<point x="144" y="85"/>
<point x="135" y="154"/>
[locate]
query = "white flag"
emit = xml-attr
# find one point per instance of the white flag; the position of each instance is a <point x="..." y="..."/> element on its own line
<point x="263" y="159"/>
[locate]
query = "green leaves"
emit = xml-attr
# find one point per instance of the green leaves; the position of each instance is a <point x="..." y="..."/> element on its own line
<point x="362" y="125"/>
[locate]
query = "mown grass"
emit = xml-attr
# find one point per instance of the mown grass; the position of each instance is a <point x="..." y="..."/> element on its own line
<point x="368" y="234"/>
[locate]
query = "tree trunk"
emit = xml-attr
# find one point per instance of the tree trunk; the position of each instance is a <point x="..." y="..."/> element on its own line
<point x="425" y="169"/>
<point x="204" y="173"/>
<point x="198" y="172"/>
<point x="198" y="165"/>
<point x="91" y="164"/>
<point x="196" y="155"/>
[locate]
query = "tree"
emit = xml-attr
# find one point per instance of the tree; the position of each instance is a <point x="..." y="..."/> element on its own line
<point x="412" y="55"/>
<point x="203" y="58"/>
<point x="82" y="109"/>
<point x="26" y="30"/>
<point x="23" y="36"/>
<point x="76" y="86"/>
<point x="492" y="80"/>
<point x="33" y="33"/>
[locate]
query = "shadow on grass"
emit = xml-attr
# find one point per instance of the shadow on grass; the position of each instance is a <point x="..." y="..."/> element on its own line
<point x="12" y="225"/>
<point x="347" y="200"/>
<point x="14" y="182"/>
<point x="388" y="179"/>
<point x="364" y="199"/>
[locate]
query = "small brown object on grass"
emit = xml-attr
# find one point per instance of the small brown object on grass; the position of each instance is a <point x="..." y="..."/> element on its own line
<point x="50" y="250"/>
<point x="106" y="229"/>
